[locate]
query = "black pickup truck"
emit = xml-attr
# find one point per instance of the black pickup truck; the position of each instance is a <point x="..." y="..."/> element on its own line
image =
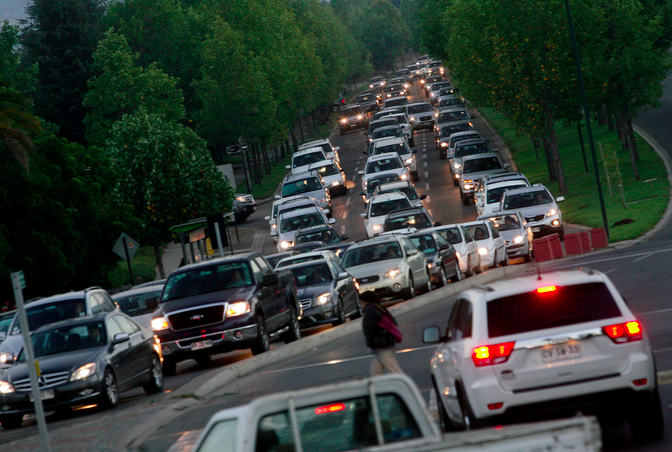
<point x="225" y="304"/>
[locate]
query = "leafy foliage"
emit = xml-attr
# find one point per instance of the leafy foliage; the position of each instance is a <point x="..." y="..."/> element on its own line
<point x="22" y="78"/>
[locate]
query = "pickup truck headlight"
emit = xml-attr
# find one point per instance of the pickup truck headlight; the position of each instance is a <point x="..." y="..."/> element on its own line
<point x="403" y="176"/>
<point x="552" y="212"/>
<point x="456" y="166"/>
<point x="444" y="144"/>
<point x="6" y="387"/>
<point x="392" y="273"/>
<point x="518" y="239"/>
<point x="370" y="86"/>
<point x="457" y="254"/>
<point x="83" y="372"/>
<point x="377" y="227"/>
<point x="483" y="251"/>
<point x="159" y="323"/>
<point x="323" y="299"/>
<point x="237" y="308"/>
<point x="344" y="120"/>
<point x="286" y="244"/>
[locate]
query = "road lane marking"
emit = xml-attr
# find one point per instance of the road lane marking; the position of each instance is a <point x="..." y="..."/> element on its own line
<point x="347" y="201"/>
<point x="187" y="441"/>
<point x="356" y="169"/>
<point x="665" y="377"/>
<point x="425" y="165"/>
<point x="427" y="186"/>
<point x="342" y="229"/>
<point x="607" y="272"/>
<point x="642" y="258"/>
<point x="426" y="175"/>
<point x="345" y="214"/>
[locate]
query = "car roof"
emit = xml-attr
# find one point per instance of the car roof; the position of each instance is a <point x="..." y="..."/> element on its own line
<point x="216" y="261"/>
<point x="298" y="212"/>
<point x="314" y="143"/>
<point x="535" y="187"/>
<point x="307" y="151"/>
<point x="395" y="185"/>
<point x="387" y="196"/>
<point x="407" y="211"/>
<point x="383" y="156"/>
<point x="289" y="199"/>
<point x="291" y="177"/>
<point x="387" y="128"/>
<point x="139" y="290"/>
<point x="381" y="119"/>
<point x="485" y="155"/>
<point x="466" y="132"/>
<point x="422" y="232"/>
<point x="374" y="240"/>
<point x="314" y="228"/>
<point x="501" y="213"/>
<point x="321" y="163"/>
<point x="388" y="140"/>
<point x="452" y="108"/>
<point x="471" y="141"/>
<point x="75" y="294"/>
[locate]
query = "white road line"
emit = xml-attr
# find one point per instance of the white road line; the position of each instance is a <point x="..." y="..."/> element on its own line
<point x="607" y="272"/>
<point x="342" y="229"/>
<point x="347" y="201"/>
<point x="186" y="442"/>
<point x="426" y="185"/>
<point x="642" y="258"/>
<point x="345" y="214"/>
<point x="426" y="175"/>
<point x="356" y="169"/>
<point x="627" y="256"/>
<point x="425" y="165"/>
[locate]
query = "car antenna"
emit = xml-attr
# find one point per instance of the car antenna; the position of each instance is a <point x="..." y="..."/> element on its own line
<point x="538" y="272"/>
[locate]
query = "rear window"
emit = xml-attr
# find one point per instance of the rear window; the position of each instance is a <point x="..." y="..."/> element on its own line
<point x="568" y="305"/>
<point x="484" y="164"/>
<point x="414" y="109"/>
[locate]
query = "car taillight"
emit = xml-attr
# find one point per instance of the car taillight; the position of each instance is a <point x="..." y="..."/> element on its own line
<point x="624" y="332"/>
<point x="488" y="355"/>
<point x="330" y="408"/>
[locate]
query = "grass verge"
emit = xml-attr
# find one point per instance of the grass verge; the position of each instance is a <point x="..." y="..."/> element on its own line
<point x="646" y="199"/>
<point x="143" y="265"/>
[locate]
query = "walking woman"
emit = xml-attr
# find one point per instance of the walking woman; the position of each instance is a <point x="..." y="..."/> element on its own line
<point x="378" y="340"/>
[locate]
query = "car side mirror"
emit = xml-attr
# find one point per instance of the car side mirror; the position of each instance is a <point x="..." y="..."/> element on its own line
<point x="270" y="280"/>
<point x="445" y="246"/>
<point x="288" y="167"/>
<point x="337" y="148"/>
<point x="119" y="338"/>
<point x="365" y="153"/>
<point x="278" y="197"/>
<point x="412" y="252"/>
<point x="361" y="173"/>
<point x="495" y="149"/>
<point x="423" y="196"/>
<point x="344" y="237"/>
<point x="332" y="220"/>
<point x="437" y="224"/>
<point x="506" y="165"/>
<point x="363" y="215"/>
<point x="431" y="335"/>
<point x="267" y="218"/>
<point x="559" y="199"/>
<point x="342" y="275"/>
<point x="326" y="211"/>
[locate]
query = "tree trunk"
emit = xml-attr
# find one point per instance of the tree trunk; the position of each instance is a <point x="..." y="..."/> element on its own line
<point x="602" y="116"/>
<point x="628" y="141"/>
<point x="552" y="173"/>
<point x="633" y="141"/>
<point x="551" y="146"/>
<point x="159" y="262"/>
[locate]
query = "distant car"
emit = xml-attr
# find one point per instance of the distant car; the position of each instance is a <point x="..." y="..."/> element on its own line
<point x="338" y="102"/>
<point x="409" y="219"/>
<point x="386" y="112"/>
<point x="447" y="101"/>
<point x="447" y="145"/>
<point x="433" y="89"/>
<point x="243" y="206"/>
<point x="289" y="223"/>
<point x="451" y="115"/>
<point x="385" y="121"/>
<point x="473" y="168"/>
<point x="290" y="203"/>
<point x="352" y="117"/>
<point x="307" y="247"/>
<point x="405" y="82"/>
<point x="140" y="302"/>
<point x="514" y="230"/>
<point x="332" y="175"/>
<point x="489" y="191"/>
<point x="441" y="257"/>
<point x="273" y="259"/>
<point x="402" y="119"/>
<point x="390" y="162"/>
<point x="465" y="148"/>
<point x="389" y="266"/>
<point x="491" y="245"/>
<point x="379" y="207"/>
<point x="377" y="83"/>
<point x="406" y="187"/>
<point x="307" y="257"/>
<point x="420" y="115"/>
<point x="394" y="90"/>
<point x="376" y="180"/>
<point x="398" y="145"/>
<point x="446" y="130"/>
<point x="427" y="82"/>
<point x="327" y="293"/>
<point x="539" y="208"/>
<point x="301" y="160"/>
<point x="516" y="349"/>
<point x="308" y="184"/>
<point x="393" y="131"/>
<point x="322" y="233"/>
<point x="329" y="149"/>
<point x="367" y="101"/>
<point x="83" y="361"/>
<point x="465" y="246"/>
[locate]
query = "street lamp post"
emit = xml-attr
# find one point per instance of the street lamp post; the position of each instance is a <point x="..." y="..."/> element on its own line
<point x="586" y="114"/>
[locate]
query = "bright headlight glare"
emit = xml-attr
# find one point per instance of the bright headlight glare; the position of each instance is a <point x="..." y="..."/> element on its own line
<point x="408" y="161"/>
<point x="393" y="273"/>
<point x="323" y="299"/>
<point x="240" y="198"/>
<point x="370" y="86"/>
<point x="359" y="116"/>
<point x="6" y="387"/>
<point x="344" y="120"/>
<point x="456" y="165"/>
<point x="457" y="254"/>
<point x="237" y="308"/>
<point x="552" y="212"/>
<point x="467" y="186"/>
<point x="83" y="372"/>
<point x="518" y="239"/>
<point x="403" y="177"/>
<point x="159" y="323"/>
<point x="285" y="244"/>
<point x="482" y="251"/>
<point x="274" y="226"/>
<point x="430" y="266"/>
<point x="377" y="227"/>
<point x="444" y="145"/>
<point x="5" y="357"/>
<point x="335" y="183"/>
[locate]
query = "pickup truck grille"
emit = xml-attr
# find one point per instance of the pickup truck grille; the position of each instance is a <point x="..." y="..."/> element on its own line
<point x="305" y="304"/>
<point x="425" y="118"/>
<point x="368" y="279"/>
<point x="535" y="218"/>
<point x="196" y="317"/>
<point x="45" y="381"/>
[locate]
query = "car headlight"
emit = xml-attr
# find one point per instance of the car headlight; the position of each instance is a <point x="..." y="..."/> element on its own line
<point x="83" y="372"/>
<point x="430" y="266"/>
<point x="323" y="299"/>
<point x="335" y="183"/>
<point x="408" y="161"/>
<point x="6" y="387"/>
<point x="518" y="239"/>
<point x="6" y="358"/>
<point x="237" y="308"/>
<point x="274" y="226"/>
<point x="483" y="251"/>
<point x="444" y="145"/>
<point x="403" y="177"/>
<point x="370" y="86"/>
<point x="392" y="273"/>
<point x="467" y="186"/>
<point x="457" y="165"/>
<point x="436" y="114"/>
<point x="552" y="212"/>
<point x="344" y="120"/>
<point x="159" y="323"/>
<point x="377" y="227"/>
<point x="457" y="254"/>
<point x="359" y="117"/>
<point x="286" y="244"/>
<point x="411" y="119"/>
<point x="240" y="198"/>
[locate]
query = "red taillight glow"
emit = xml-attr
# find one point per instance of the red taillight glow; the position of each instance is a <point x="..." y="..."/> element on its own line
<point x="488" y="355"/>
<point x="624" y="332"/>
<point x="547" y="289"/>
<point x="330" y="408"/>
<point x="640" y="382"/>
<point x="495" y="406"/>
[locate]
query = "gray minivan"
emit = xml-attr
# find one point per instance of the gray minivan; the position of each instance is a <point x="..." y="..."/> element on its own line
<point x="307" y="183"/>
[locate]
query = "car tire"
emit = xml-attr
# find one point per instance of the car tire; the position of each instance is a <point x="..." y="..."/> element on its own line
<point x="169" y="367"/>
<point x="647" y="423"/>
<point x="456" y="182"/>
<point x="528" y="256"/>
<point x="342" y="132"/>
<point x="110" y="396"/>
<point x="294" y="333"/>
<point x="470" y="271"/>
<point x="410" y="291"/>
<point x="415" y="176"/>
<point x="458" y="274"/>
<point x="443" y="280"/>
<point x="340" y="314"/>
<point x="442" y="155"/>
<point x="427" y="287"/>
<point x="411" y="142"/>
<point x="11" y="422"/>
<point x="445" y="424"/>
<point x="262" y="343"/>
<point x="505" y="261"/>
<point x="561" y="234"/>
<point x="469" y="421"/>
<point x="465" y="200"/>
<point x="479" y="268"/>
<point x="155" y="383"/>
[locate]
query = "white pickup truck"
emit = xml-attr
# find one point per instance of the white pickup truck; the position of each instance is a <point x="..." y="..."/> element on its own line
<point x="379" y="414"/>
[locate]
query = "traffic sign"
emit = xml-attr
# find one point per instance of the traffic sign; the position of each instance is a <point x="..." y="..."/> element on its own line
<point x="129" y="249"/>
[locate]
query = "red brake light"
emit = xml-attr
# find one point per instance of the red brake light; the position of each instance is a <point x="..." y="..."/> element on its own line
<point x="330" y="408"/>
<point x="624" y="332"/>
<point x="488" y="355"/>
<point x="547" y="289"/>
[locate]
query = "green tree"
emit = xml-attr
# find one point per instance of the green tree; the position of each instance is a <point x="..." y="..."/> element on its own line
<point x="122" y="87"/>
<point x="22" y="78"/>
<point x="17" y="124"/>
<point x="166" y="175"/>
<point x="61" y="37"/>
<point x="384" y="33"/>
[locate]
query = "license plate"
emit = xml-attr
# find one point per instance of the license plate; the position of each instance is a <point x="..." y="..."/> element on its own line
<point x="561" y="353"/>
<point x="201" y="344"/>
<point x="537" y="229"/>
<point x="44" y="395"/>
<point x="363" y="289"/>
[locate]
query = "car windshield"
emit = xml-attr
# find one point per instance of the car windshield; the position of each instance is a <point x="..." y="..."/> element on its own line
<point x="415" y="220"/>
<point x="311" y="275"/>
<point x="452" y="235"/>
<point x="39" y="316"/>
<point x="301" y="186"/>
<point x="303" y="221"/>
<point x="414" y="109"/>
<point x="407" y="190"/>
<point x="449" y="102"/>
<point x="366" y="98"/>
<point x="495" y="194"/>
<point x="455" y="115"/>
<point x="376" y="181"/>
<point x="527" y="199"/>
<point x="299" y="260"/>
<point x="326" y="170"/>
<point x="213" y="278"/>
<point x="447" y="131"/>
<point x="396" y="102"/>
<point x="327" y="236"/>
<point x="482" y="164"/>
<point x="478" y="231"/>
<point x="139" y="303"/>
<point x="456" y="139"/>
<point x="447" y="90"/>
<point x="385" y="207"/>
<point x="351" y="112"/>
<point x="399" y="148"/>
<point x="67" y="339"/>
<point x="386" y="123"/>
<point x="383" y="132"/>
<point x="292" y="207"/>
<point x="506" y="222"/>
<point x="425" y="243"/>
<point x="380" y="165"/>
<point x="376" y="79"/>
<point x="372" y="253"/>
<point x="307" y="159"/>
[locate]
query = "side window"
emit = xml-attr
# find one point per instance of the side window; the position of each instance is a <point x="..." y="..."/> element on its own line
<point x="464" y="321"/>
<point x="96" y="303"/>
<point x="125" y="325"/>
<point x="408" y="245"/>
<point x="112" y="328"/>
<point x="263" y="265"/>
<point x="467" y="235"/>
<point x="452" y="320"/>
<point x="493" y="229"/>
<point x="108" y="303"/>
<point x="258" y="275"/>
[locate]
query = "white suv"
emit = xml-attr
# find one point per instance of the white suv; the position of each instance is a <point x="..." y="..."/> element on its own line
<point x="554" y="343"/>
<point x="539" y="208"/>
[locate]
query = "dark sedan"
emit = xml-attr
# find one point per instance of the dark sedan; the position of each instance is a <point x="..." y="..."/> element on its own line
<point x="441" y="257"/>
<point x="83" y="361"/>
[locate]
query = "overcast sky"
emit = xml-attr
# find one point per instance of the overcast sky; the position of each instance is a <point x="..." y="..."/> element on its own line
<point x="12" y="10"/>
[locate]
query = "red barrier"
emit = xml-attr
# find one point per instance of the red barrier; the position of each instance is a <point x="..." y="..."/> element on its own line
<point x="598" y="237"/>
<point x="573" y="244"/>
<point x="542" y="250"/>
<point x="556" y="247"/>
<point x="586" y="244"/>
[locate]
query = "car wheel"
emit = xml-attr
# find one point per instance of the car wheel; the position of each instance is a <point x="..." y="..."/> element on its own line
<point x="465" y="201"/>
<point x="11" y="422"/>
<point x="410" y="291"/>
<point x="110" y="395"/>
<point x="468" y="420"/>
<point x="458" y="274"/>
<point x="427" y="287"/>
<point x="445" y="423"/>
<point x="442" y="155"/>
<point x="411" y="142"/>
<point x="340" y="314"/>
<point x="528" y="256"/>
<point x="443" y="281"/>
<point x="562" y="234"/>
<point x="470" y="271"/>
<point x="169" y="367"/>
<point x="263" y="342"/>
<point x="456" y="182"/>
<point x="646" y="423"/>
<point x="415" y="176"/>
<point x="155" y="383"/>
<point x="294" y="333"/>
<point x="203" y="360"/>
<point x="479" y="268"/>
<point x="505" y="261"/>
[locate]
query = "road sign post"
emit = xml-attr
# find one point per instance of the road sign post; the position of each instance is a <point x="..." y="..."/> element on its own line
<point x="126" y="248"/>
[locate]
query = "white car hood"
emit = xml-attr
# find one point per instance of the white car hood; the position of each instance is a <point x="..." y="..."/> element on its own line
<point x="374" y="268"/>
